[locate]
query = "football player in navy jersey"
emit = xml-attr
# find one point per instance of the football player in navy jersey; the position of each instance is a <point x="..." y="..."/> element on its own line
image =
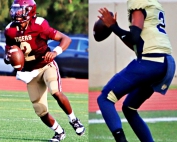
<point x="152" y="70"/>
<point x="40" y="71"/>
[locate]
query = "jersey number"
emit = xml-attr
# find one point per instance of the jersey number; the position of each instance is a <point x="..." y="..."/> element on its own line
<point x="161" y="25"/>
<point x="25" y="46"/>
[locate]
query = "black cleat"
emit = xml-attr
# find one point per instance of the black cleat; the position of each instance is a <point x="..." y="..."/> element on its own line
<point x="78" y="127"/>
<point x="119" y="135"/>
<point x="58" y="137"/>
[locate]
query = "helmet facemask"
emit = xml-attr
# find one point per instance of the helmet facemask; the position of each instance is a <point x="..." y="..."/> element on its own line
<point x="23" y="10"/>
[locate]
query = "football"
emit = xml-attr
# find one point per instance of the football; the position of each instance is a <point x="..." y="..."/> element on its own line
<point x="17" y="58"/>
<point x="100" y="30"/>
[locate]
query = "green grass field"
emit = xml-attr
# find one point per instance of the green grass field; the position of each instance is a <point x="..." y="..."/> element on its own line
<point x="19" y="123"/>
<point x="161" y="131"/>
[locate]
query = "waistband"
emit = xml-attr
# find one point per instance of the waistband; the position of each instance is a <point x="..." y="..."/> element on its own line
<point x="155" y="57"/>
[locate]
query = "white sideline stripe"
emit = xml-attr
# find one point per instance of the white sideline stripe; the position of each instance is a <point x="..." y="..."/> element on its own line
<point x="149" y="120"/>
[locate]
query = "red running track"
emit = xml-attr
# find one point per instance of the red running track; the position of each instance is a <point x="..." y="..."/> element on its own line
<point x="156" y="102"/>
<point x="70" y="85"/>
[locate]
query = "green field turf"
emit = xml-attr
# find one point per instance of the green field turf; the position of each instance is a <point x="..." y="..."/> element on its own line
<point x="19" y="123"/>
<point x="161" y="131"/>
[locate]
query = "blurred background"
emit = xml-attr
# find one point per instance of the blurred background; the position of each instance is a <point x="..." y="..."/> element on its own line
<point x="69" y="18"/>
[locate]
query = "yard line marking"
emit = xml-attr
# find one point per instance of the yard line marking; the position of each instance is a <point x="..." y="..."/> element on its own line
<point x="149" y="120"/>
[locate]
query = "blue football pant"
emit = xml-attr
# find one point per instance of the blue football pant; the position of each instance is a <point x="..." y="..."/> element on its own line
<point x="136" y="81"/>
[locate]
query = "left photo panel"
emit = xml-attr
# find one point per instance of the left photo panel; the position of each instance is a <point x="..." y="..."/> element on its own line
<point x="44" y="71"/>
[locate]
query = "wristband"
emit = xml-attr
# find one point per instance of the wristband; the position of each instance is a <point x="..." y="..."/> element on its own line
<point x="58" y="49"/>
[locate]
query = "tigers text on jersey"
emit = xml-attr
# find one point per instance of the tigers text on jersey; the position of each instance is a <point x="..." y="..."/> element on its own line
<point x="153" y="33"/>
<point x="32" y="41"/>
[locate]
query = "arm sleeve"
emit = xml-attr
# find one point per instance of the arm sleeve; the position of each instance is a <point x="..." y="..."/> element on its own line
<point x="128" y="37"/>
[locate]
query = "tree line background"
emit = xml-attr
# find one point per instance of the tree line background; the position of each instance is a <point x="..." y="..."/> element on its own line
<point x="70" y="18"/>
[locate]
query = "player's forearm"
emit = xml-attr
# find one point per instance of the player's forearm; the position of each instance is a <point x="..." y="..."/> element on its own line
<point x="129" y="38"/>
<point x="65" y="42"/>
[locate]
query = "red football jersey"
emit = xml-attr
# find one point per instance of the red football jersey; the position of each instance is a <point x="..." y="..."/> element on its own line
<point x="32" y="41"/>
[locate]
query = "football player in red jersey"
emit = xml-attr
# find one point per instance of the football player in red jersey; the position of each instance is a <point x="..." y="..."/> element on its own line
<point x="40" y="71"/>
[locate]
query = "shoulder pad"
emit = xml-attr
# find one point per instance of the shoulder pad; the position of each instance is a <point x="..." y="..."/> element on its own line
<point x="137" y="4"/>
<point x="39" y="20"/>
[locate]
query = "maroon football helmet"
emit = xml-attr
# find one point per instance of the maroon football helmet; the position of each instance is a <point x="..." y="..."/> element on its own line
<point x="23" y="10"/>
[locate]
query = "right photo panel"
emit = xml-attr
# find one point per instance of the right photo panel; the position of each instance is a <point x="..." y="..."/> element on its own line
<point x="132" y="71"/>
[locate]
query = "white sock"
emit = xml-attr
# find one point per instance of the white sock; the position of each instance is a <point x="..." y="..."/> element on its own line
<point x="56" y="127"/>
<point x="71" y="116"/>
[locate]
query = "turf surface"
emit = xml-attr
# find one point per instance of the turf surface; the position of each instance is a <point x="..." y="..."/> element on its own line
<point x="161" y="131"/>
<point x="19" y="123"/>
